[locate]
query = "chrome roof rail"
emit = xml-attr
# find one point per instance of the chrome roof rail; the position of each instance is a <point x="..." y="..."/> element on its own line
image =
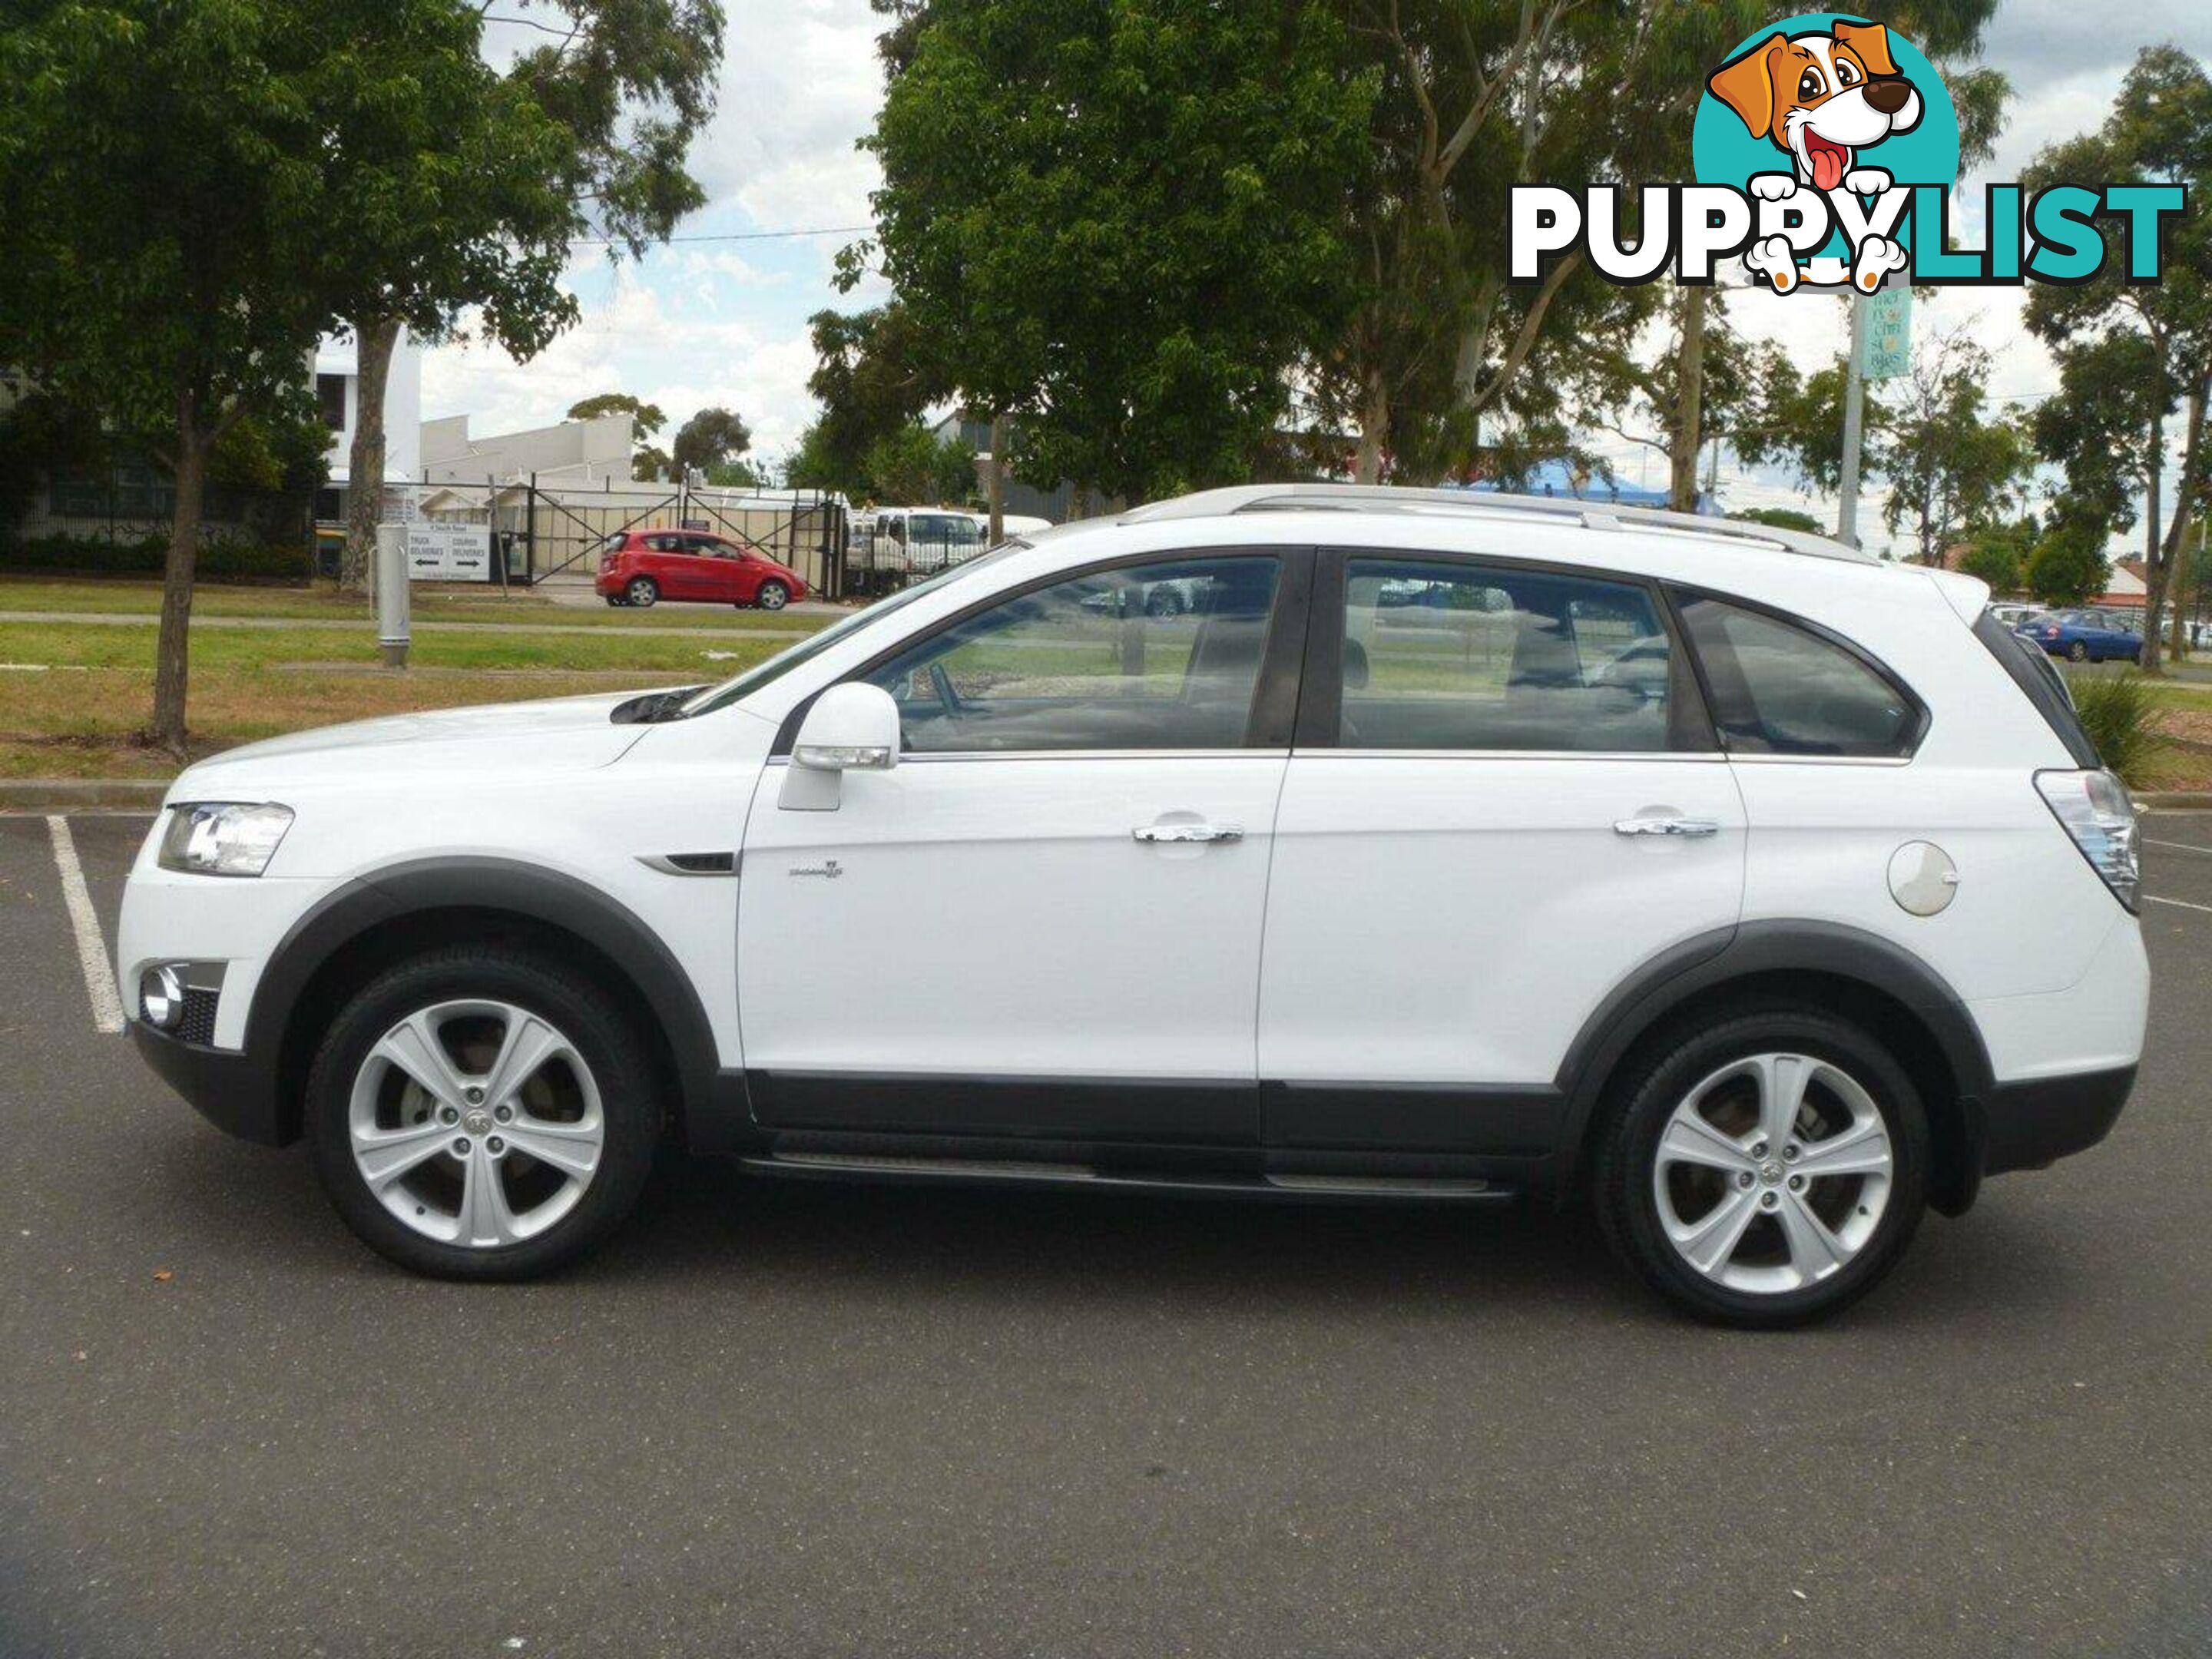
<point x="1381" y="498"/>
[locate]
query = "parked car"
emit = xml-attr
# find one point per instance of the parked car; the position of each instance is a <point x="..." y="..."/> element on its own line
<point x="2084" y="637"/>
<point x="1706" y="879"/>
<point x="644" y="566"/>
<point x="2016" y="616"/>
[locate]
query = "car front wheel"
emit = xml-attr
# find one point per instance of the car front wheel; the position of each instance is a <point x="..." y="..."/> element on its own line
<point x="1768" y="1170"/>
<point x="478" y="1113"/>
<point x="642" y="592"/>
<point x="772" y="595"/>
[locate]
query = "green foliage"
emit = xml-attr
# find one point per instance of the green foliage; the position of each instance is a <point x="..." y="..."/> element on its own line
<point x="222" y="559"/>
<point x="645" y="419"/>
<point x="874" y="372"/>
<point x="1998" y="554"/>
<point x="1799" y="423"/>
<point x="1950" y="464"/>
<point x="913" y="467"/>
<point x="279" y="454"/>
<point x="1783" y="518"/>
<point x="1120" y="221"/>
<point x="2068" y="565"/>
<point x="2117" y="711"/>
<point x="711" y="438"/>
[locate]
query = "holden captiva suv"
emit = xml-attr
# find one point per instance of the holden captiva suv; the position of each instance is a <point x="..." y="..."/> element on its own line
<point x="1429" y="847"/>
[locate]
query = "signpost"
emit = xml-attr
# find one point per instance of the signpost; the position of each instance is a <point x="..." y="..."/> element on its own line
<point x="1881" y="349"/>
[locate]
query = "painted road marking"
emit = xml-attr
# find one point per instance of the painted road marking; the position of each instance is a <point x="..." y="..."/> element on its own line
<point x="2180" y="846"/>
<point x="2179" y="904"/>
<point x="91" y="947"/>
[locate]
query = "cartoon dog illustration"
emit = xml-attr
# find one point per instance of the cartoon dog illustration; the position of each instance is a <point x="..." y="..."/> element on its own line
<point x="1821" y="99"/>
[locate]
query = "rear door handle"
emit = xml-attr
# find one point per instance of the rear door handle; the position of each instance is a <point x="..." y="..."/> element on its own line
<point x="1668" y="827"/>
<point x="1188" y="832"/>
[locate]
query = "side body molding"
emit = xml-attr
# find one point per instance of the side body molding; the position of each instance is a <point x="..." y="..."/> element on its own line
<point x="1745" y="953"/>
<point x="712" y="1104"/>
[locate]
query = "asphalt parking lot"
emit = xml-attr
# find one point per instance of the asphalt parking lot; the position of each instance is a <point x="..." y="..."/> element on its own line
<point x="796" y="1420"/>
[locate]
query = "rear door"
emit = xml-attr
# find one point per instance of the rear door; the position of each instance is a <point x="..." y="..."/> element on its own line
<point x="1504" y="799"/>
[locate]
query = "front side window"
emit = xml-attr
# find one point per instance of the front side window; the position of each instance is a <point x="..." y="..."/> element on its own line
<point x="1444" y="655"/>
<point x="1103" y="661"/>
<point x="1781" y="689"/>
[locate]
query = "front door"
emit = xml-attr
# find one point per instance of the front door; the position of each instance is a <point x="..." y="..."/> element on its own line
<point x="1045" y="921"/>
<point x="1504" y="799"/>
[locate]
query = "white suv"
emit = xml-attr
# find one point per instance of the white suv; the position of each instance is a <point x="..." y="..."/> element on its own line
<point x="1440" y="848"/>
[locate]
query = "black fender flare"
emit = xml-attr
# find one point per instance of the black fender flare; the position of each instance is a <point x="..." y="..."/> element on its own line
<point x="706" y="1096"/>
<point x="1674" y="977"/>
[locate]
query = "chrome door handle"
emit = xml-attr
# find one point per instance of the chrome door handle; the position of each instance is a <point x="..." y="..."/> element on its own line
<point x="1188" y="832"/>
<point x="1667" y="827"/>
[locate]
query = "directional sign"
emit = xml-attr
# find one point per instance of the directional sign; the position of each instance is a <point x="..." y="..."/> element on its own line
<point x="440" y="550"/>
<point x="1888" y="337"/>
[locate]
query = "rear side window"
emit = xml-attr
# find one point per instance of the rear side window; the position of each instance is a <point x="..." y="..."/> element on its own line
<point x="2032" y="672"/>
<point x="1446" y="655"/>
<point x="1778" y="688"/>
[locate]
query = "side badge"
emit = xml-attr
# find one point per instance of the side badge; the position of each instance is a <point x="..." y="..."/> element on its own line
<point x="829" y="867"/>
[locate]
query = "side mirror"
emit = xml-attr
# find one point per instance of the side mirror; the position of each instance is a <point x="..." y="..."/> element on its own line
<point x="850" y="728"/>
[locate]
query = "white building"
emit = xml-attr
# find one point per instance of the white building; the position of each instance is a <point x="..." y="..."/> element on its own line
<point x="595" y="452"/>
<point x="338" y="392"/>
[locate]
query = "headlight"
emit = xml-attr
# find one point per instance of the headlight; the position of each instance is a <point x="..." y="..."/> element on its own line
<point x="223" y="838"/>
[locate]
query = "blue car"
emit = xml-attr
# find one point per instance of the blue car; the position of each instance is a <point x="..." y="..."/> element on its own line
<point x="2084" y="637"/>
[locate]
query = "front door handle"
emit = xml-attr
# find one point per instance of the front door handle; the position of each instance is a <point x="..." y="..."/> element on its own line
<point x="1188" y="832"/>
<point x="1659" y="826"/>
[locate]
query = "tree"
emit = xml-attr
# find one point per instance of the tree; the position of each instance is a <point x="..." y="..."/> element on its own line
<point x="2068" y="565"/>
<point x="1117" y="221"/>
<point x="914" y="467"/>
<point x="710" y="439"/>
<point x="647" y="463"/>
<point x="1949" y="466"/>
<point x="1797" y="421"/>
<point x="2159" y="131"/>
<point x="1998" y="554"/>
<point x="872" y="374"/>
<point x="163" y="181"/>
<point x="473" y="183"/>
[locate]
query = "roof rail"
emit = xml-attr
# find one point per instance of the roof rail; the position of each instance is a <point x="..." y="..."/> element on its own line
<point x="1384" y="498"/>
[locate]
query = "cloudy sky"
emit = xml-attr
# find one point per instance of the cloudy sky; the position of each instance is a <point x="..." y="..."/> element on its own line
<point x="720" y="317"/>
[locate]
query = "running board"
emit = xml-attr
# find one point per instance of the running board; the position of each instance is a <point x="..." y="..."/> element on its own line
<point x="1007" y="1172"/>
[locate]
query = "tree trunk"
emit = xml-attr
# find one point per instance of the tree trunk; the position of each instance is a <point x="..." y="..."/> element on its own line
<point x="170" y="650"/>
<point x="997" y="486"/>
<point x="2154" y="564"/>
<point x="375" y="339"/>
<point x="2163" y="576"/>
<point x="1374" y="429"/>
<point x="1688" y="435"/>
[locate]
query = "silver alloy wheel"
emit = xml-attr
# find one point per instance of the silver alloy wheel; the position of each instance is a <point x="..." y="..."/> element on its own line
<point x="772" y="595"/>
<point x="642" y="591"/>
<point x="1773" y="1173"/>
<point x="476" y="1123"/>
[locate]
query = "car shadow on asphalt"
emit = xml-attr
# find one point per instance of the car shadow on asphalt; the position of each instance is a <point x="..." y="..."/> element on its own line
<point x="701" y="1222"/>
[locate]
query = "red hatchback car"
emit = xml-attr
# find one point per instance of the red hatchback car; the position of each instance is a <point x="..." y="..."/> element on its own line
<point x="644" y="566"/>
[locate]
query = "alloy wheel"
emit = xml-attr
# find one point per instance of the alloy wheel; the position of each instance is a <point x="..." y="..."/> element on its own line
<point x="642" y="592"/>
<point x="772" y="595"/>
<point x="1773" y="1173"/>
<point x="476" y="1123"/>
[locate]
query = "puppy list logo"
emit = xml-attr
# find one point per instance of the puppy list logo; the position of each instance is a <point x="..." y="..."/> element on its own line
<point x="1826" y="151"/>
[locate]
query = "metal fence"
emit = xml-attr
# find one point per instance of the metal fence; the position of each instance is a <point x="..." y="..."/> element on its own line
<point x="542" y="533"/>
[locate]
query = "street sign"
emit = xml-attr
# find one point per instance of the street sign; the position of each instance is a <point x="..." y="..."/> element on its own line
<point x="440" y="550"/>
<point x="1888" y="336"/>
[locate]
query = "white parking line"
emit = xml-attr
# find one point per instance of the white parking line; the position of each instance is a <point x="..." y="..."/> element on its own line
<point x="2179" y="904"/>
<point x="91" y="946"/>
<point x="2180" y="846"/>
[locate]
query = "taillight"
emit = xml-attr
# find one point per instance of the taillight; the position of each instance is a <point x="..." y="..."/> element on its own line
<point x="2095" y="808"/>
<point x="2049" y="632"/>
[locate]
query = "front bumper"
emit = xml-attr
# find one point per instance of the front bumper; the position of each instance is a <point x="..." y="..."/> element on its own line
<point x="233" y="1090"/>
<point x="2032" y="1125"/>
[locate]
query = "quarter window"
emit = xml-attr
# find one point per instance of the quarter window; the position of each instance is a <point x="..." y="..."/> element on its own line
<point x="1151" y="656"/>
<point x="1781" y="689"/>
<point x="1440" y="655"/>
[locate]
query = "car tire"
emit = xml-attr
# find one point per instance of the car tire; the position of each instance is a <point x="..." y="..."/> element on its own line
<point x="2077" y="652"/>
<point x="772" y="595"/>
<point x="614" y="601"/>
<point x="1794" y="1233"/>
<point x="579" y="1089"/>
<point x="643" y="592"/>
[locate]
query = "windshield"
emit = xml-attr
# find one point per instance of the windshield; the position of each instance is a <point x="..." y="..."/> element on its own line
<point x="721" y="696"/>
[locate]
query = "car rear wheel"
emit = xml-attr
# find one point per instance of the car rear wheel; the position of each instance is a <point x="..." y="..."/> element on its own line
<point x="2077" y="652"/>
<point x="478" y="1113"/>
<point x="772" y="595"/>
<point x="1767" y="1170"/>
<point x="642" y="592"/>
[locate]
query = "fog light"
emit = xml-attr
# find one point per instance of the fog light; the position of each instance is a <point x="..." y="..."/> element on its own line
<point x="162" y="998"/>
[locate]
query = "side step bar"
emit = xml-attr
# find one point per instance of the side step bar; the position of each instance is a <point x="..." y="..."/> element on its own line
<point x="1006" y="1172"/>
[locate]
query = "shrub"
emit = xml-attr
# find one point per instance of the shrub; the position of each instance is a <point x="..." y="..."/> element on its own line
<point x="222" y="559"/>
<point x="2116" y="711"/>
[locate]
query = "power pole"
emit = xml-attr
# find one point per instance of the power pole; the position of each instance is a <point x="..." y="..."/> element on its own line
<point x="1847" y="516"/>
